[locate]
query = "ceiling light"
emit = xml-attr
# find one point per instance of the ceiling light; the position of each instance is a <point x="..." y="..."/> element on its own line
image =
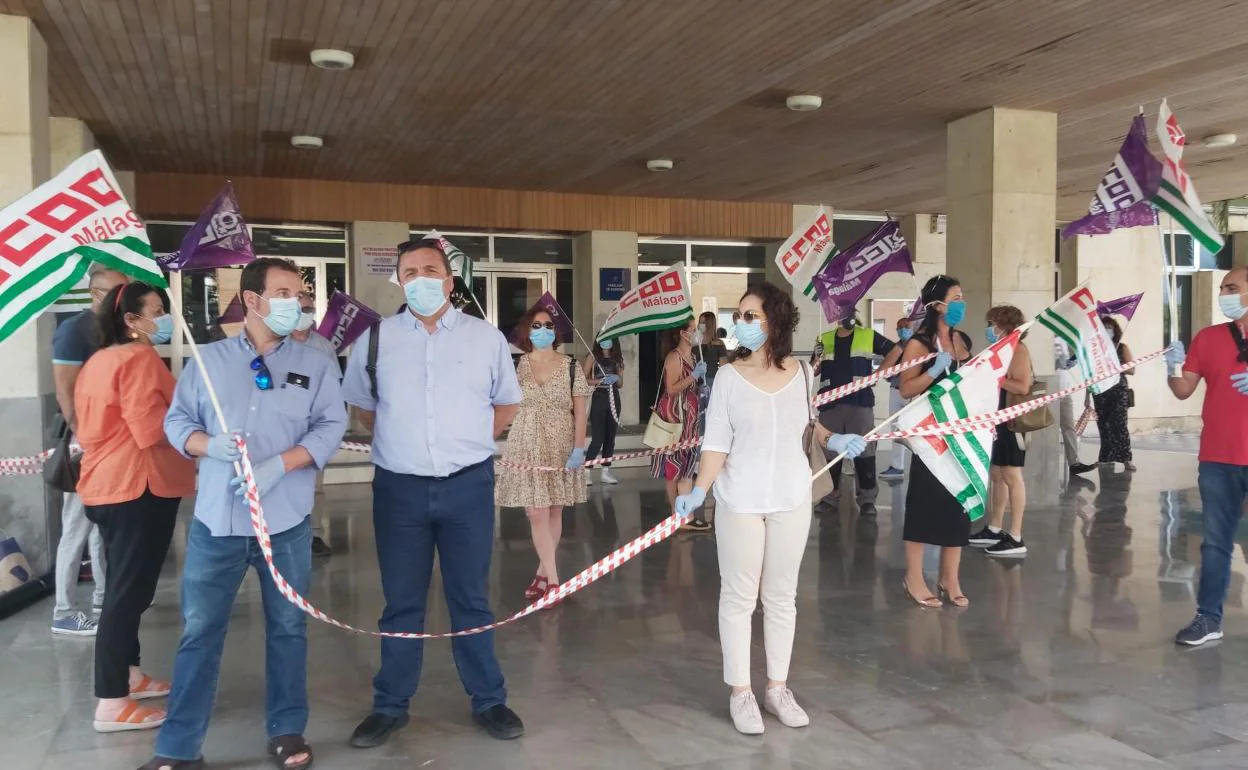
<point x="659" y="164"/>
<point x="1215" y="141"/>
<point x="332" y="59"/>
<point x="306" y="142"/>
<point x="803" y="102"/>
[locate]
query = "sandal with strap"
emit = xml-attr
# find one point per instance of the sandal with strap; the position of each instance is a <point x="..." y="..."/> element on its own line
<point x="536" y="589"/>
<point x="149" y="688"/>
<point x="960" y="601"/>
<point x="165" y="763"/>
<point x="285" y="746"/>
<point x="132" y="717"/>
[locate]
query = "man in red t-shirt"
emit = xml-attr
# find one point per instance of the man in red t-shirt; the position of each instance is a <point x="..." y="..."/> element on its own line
<point x="1219" y="356"/>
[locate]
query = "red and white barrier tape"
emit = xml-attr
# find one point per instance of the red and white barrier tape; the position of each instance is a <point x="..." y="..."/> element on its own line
<point x="1089" y="414"/>
<point x="608" y="564"/>
<point x="869" y="380"/>
<point x="25" y="466"/>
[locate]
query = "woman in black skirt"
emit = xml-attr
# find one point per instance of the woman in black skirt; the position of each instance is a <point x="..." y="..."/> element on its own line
<point x="1111" y="407"/>
<point x="1008" y="450"/>
<point x="933" y="515"/>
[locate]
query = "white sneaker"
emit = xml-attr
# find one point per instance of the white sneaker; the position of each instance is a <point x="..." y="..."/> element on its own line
<point x="607" y="478"/>
<point x="745" y="714"/>
<point x="780" y="702"/>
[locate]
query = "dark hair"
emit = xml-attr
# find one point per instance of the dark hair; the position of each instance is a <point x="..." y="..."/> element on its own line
<point x="407" y="247"/>
<point x="708" y="314"/>
<point x="521" y="333"/>
<point x="124" y="299"/>
<point x="615" y="354"/>
<point x="1115" y="331"/>
<point x="1007" y="317"/>
<point x="782" y="317"/>
<point x="935" y="290"/>
<point x="669" y="338"/>
<point x="255" y="275"/>
<point x="721" y="333"/>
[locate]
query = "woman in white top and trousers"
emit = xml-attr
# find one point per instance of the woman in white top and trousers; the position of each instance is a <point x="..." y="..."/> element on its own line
<point x="752" y="452"/>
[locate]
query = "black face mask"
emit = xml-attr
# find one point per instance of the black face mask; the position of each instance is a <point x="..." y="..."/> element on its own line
<point x="848" y="323"/>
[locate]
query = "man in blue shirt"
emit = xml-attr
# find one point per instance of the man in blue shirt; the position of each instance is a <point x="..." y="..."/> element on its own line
<point x="285" y="399"/>
<point x="75" y="340"/>
<point x="445" y="389"/>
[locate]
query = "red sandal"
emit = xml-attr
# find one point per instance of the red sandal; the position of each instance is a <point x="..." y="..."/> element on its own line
<point x="537" y="589"/>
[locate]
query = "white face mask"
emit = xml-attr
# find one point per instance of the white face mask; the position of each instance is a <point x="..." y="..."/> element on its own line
<point x="696" y="338"/>
<point x="1232" y="306"/>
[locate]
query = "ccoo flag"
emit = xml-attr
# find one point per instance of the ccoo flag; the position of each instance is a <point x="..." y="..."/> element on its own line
<point x="219" y="238"/>
<point x="847" y="277"/>
<point x="52" y="234"/>
<point x="660" y="303"/>
<point x="1076" y="321"/>
<point x="1177" y="195"/>
<point x="1124" y="196"/>
<point x="807" y="250"/>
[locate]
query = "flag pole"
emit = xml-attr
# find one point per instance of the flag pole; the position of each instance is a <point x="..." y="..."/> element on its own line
<point x="1171" y="300"/>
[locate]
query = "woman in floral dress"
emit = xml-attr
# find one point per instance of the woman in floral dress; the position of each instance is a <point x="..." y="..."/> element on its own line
<point x="548" y="432"/>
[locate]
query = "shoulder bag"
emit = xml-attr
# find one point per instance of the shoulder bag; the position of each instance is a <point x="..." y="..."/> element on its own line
<point x="660" y="432"/>
<point x="1036" y="419"/>
<point x="61" y="471"/>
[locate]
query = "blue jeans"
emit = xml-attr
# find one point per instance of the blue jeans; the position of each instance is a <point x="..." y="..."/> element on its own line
<point x="1223" y="488"/>
<point x="215" y="567"/>
<point x="413" y="515"/>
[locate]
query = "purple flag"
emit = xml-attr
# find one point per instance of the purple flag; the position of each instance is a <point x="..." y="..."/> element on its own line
<point x="848" y="275"/>
<point x="1123" y="306"/>
<point x="346" y="318"/>
<point x="219" y="238"/>
<point x="918" y="311"/>
<point x="235" y="312"/>
<point x="563" y="324"/>
<point x="1122" y="199"/>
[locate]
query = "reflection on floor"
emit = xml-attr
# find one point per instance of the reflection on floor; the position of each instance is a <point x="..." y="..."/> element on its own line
<point x="1064" y="660"/>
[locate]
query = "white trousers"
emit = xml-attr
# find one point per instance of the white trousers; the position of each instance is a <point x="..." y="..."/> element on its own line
<point x="897" y="458"/>
<point x="759" y="555"/>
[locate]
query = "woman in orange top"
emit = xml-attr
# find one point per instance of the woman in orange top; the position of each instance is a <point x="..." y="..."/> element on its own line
<point x="132" y="481"/>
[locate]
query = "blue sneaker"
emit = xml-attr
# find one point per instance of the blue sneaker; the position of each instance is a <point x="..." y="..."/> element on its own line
<point x="892" y="474"/>
<point x="1202" y="629"/>
<point x="77" y="624"/>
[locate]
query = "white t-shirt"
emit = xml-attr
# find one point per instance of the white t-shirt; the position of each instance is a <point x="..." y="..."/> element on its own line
<point x="767" y="470"/>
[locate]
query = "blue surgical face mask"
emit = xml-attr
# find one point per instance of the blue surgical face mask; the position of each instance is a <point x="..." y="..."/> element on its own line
<point x="307" y="318"/>
<point x="542" y="338"/>
<point x="954" y="312"/>
<point x="751" y="335"/>
<point x="1232" y="306"/>
<point x="905" y="334"/>
<point x="425" y="295"/>
<point x="606" y="344"/>
<point x="991" y="335"/>
<point x="164" y="329"/>
<point x="283" y="317"/>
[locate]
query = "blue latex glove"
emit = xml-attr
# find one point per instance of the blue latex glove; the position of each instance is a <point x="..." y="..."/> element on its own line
<point x="224" y="447"/>
<point x="687" y="504"/>
<point x="850" y="443"/>
<point x="699" y="371"/>
<point x="610" y="379"/>
<point x="1175" y="356"/>
<point x="1240" y="381"/>
<point x="268" y="473"/>
<point x="940" y="364"/>
<point x="576" y="458"/>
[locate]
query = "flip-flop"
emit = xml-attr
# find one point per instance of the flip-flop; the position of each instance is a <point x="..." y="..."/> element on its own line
<point x="132" y="717"/>
<point x="149" y="688"/>
<point x="285" y="746"/>
<point x="165" y="763"/>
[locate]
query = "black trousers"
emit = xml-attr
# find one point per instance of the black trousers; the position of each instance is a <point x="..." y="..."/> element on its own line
<point x="602" y="425"/>
<point x="136" y="539"/>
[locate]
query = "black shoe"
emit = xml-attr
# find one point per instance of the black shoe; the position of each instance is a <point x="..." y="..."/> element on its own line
<point x="986" y="537"/>
<point x="1008" y="546"/>
<point x="375" y="730"/>
<point x="500" y="722"/>
<point x="867" y="511"/>
<point x="320" y="547"/>
<point x="1202" y="629"/>
<point x="1079" y="468"/>
<point x="697" y="525"/>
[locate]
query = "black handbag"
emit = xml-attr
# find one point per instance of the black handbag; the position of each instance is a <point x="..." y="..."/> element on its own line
<point x="61" y="471"/>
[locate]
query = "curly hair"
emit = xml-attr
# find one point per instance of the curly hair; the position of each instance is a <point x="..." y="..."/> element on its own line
<point x="1007" y="317"/>
<point x="520" y="337"/>
<point x="782" y="317"/>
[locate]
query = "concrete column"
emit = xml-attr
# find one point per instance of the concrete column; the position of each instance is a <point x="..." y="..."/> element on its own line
<point x="590" y="252"/>
<point x="1125" y="262"/>
<point x="29" y="513"/>
<point x="925" y="234"/>
<point x="811" y="320"/>
<point x="70" y="139"/>
<point x="1001" y="171"/>
<point x="372" y="250"/>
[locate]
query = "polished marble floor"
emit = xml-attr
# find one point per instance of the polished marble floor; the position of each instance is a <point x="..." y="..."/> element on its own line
<point x="1065" y="659"/>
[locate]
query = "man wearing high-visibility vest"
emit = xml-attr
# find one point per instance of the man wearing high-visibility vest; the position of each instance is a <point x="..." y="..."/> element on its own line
<point x="849" y="353"/>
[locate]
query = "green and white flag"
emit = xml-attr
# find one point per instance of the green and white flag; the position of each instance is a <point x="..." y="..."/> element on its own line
<point x="807" y="251"/>
<point x="960" y="461"/>
<point x="461" y="264"/>
<point x="1076" y="321"/>
<point x="51" y="235"/>
<point x="1177" y="195"/>
<point x="660" y="303"/>
<point x="77" y="298"/>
